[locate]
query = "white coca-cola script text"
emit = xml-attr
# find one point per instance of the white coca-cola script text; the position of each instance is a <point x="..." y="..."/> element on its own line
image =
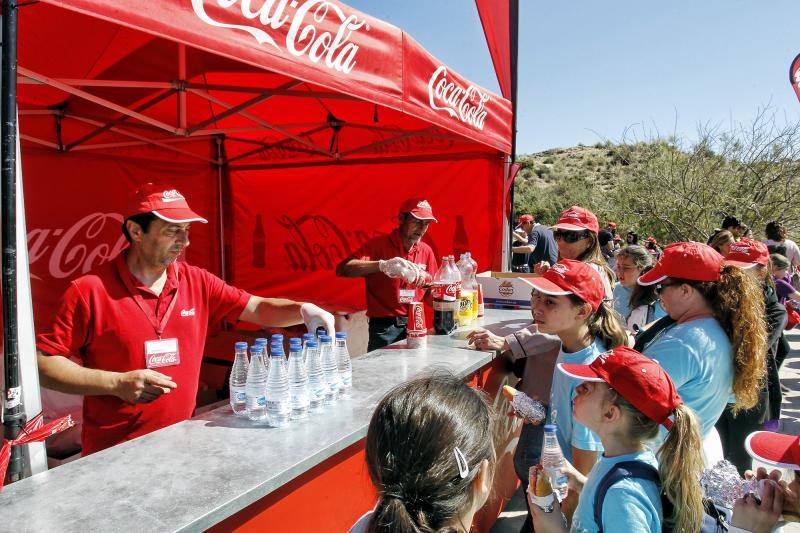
<point x="465" y="104"/>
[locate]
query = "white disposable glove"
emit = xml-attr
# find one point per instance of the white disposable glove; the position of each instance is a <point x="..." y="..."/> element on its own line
<point x="315" y="317"/>
<point x="397" y="267"/>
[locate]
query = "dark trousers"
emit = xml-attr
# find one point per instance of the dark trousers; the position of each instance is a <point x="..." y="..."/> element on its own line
<point x="774" y="388"/>
<point x="528" y="454"/>
<point x="383" y="331"/>
<point x="733" y="430"/>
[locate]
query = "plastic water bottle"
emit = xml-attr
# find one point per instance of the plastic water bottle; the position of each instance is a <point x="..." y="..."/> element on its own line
<point x="553" y="460"/>
<point x="298" y="381"/>
<point x="317" y="386"/>
<point x="261" y="341"/>
<point x="307" y="337"/>
<point x="255" y="389"/>
<point x="276" y="338"/>
<point x="279" y="401"/>
<point x="343" y="362"/>
<point x="329" y="368"/>
<point x="238" y="379"/>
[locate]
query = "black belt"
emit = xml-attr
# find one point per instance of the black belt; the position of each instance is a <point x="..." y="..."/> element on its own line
<point x="399" y="321"/>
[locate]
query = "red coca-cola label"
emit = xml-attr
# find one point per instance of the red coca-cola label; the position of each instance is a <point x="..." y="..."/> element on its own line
<point x="446" y="291"/>
<point x="156" y="360"/>
<point x="416" y="317"/>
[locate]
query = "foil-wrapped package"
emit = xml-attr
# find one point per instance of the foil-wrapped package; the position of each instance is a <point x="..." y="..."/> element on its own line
<point x="723" y="484"/>
<point x="524" y="406"/>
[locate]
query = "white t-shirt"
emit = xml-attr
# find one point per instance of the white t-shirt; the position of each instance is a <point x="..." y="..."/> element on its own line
<point x="792" y="250"/>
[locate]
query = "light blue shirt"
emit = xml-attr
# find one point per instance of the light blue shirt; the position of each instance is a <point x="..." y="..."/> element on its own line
<point x="697" y="356"/>
<point x="571" y="432"/>
<point x="631" y="505"/>
<point x="622" y="297"/>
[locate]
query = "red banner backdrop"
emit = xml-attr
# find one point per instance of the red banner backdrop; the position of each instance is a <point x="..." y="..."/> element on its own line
<point x="293" y="226"/>
<point x="495" y="20"/>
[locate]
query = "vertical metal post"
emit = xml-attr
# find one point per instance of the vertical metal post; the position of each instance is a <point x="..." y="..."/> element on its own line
<point x="13" y="414"/>
<point x="513" y="35"/>
<point x="220" y="157"/>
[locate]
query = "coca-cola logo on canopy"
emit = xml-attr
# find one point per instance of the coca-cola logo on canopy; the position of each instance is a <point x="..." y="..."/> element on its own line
<point x="465" y="104"/>
<point x="304" y="36"/>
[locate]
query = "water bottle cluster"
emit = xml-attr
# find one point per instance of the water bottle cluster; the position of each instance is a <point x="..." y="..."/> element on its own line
<point x="268" y="388"/>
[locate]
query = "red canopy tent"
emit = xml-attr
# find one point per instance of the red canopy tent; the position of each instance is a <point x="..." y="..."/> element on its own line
<point x="296" y="127"/>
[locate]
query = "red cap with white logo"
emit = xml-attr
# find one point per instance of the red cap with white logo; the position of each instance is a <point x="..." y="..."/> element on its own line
<point x="165" y="203"/>
<point x="572" y="277"/>
<point x="685" y="260"/>
<point x="418" y="208"/>
<point x="637" y="378"/>
<point x="775" y="449"/>
<point x="576" y="219"/>
<point x="747" y="253"/>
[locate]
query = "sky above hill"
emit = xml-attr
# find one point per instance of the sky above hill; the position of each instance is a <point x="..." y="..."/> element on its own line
<point x="591" y="71"/>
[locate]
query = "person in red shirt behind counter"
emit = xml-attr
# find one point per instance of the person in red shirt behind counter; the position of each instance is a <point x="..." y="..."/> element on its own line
<point x="138" y="325"/>
<point x="381" y="259"/>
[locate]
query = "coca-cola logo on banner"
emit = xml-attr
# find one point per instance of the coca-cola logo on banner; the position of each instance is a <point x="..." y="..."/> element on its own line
<point x="76" y="250"/>
<point x="315" y="242"/>
<point x="304" y="36"/>
<point x="465" y="104"/>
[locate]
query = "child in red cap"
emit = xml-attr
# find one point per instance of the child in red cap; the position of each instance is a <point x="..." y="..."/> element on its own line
<point x="568" y="303"/>
<point x="624" y="398"/>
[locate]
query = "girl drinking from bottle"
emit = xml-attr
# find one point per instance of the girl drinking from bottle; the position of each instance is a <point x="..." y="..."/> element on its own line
<point x="569" y="304"/>
<point x="624" y="398"/>
<point x="714" y="343"/>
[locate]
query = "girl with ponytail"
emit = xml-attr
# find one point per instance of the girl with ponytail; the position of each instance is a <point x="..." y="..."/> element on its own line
<point x="430" y="456"/>
<point x="715" y="350"/>
<point x="624" y="398"/>
<point x="569" y="304"/>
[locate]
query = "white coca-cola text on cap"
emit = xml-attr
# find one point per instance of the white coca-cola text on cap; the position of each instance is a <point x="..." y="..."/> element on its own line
<point x="465" y="104"/>
<point x="560" y="269"/>
<point x="572" y="214"/>
<point x="742" y="249"/>
<point x="262" y="18"/>
<point x="171" y="195"/>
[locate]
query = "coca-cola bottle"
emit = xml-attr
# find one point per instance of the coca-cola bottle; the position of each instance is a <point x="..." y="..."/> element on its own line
<point x="444" y="299"/>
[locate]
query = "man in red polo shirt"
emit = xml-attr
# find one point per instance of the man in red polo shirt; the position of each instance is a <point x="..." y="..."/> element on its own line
<point x="380" y="259"/>
<point x="138" y="325"/>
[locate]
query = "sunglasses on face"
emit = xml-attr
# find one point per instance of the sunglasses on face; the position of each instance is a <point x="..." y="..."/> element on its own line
<point x="661" y="286"/>
<point x="570" y="236"/>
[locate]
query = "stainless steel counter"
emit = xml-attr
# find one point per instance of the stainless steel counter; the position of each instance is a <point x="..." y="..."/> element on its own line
<point x="194" y="474"/>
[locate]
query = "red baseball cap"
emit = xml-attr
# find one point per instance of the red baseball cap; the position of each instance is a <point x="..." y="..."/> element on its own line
<point x="164" y="202"/>
<point x="576" y="219"/>
<point x="775" y="449"/>
<point x="637" y="378"/>
<point x="685" y="260"/>
<point x="418" y="208"/>
<point x="612" y="225"/>
<point x="747" y="253"/>
<point x="572" y="277"/>
<point x="525" y="218"/>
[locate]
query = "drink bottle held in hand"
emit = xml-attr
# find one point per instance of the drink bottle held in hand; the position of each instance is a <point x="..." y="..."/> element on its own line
<point x="238" y="380"/>
<point x="343" y="362"/>
<point x="553" y="461"/>
<point x="298" y="380"/>
<point x="330" y="370"/>
<point x="317" y="386"/>
<point x="278" y="395"/>
<point x="255" y="389"/>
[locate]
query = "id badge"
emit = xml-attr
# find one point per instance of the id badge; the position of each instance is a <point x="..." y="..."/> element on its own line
<point x="161" y="352"/>
<point x="406" y="296"/>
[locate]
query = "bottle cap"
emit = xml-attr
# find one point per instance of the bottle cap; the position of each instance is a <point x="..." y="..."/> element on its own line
<point x="308" y="336"/>
<point x="240" y="345"/>
<point x="295" y="340"/>
<point x="550" y="428"/>
<point x="256" y="349"/>
<point x="341" y="335"/>
<point x="312" y="343"/>
<point x="261" y="340"/>
<point x="277" y="337"/>
<point x="324" y="338"/>
<point x="295" y="347"/>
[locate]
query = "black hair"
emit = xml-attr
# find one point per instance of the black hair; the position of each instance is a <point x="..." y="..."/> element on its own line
<point x="411" y="458"/>
<point x="775" y="231"/>
<point x="143" y="219"/>
<point x="731" y="221"/>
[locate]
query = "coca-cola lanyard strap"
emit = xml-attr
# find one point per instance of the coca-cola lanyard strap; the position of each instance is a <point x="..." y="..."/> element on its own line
<point x="158" y="326"/>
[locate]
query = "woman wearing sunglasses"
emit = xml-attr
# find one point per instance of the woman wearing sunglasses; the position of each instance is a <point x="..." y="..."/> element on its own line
<point x="717" y="344"/>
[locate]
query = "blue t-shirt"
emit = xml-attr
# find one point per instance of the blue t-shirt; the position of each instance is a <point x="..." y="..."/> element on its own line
<point x="571" y="432"/>
<point x="697" y="355"/>
<point x="622" y="297"/>
<point x="631" y="505"/>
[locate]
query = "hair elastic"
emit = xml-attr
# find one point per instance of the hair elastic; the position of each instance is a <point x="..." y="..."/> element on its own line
<point x="463" y="466"/>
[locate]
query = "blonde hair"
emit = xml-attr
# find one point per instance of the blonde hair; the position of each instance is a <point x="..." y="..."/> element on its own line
<point x="720" y="239"/>
<point x="604" y="323"/>
<point x="680" y="461"/>
<point x="738" y="304"/>
<point x="594" y="255"/>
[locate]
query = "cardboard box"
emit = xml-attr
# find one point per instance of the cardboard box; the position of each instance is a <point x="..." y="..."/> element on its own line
<point x="506" y="290"/>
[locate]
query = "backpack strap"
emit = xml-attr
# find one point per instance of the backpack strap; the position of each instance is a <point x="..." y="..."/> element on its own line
<point x="645" y="337"/>
<point x="620" y="471"/>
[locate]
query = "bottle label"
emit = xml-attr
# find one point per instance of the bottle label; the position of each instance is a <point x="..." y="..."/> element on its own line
<point x="261" y="401"/>
<point x="240" y="396"/>
<point x="278" y="406"/>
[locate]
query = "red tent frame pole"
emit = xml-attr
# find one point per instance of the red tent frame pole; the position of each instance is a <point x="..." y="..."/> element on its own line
<point x="13" y="414"/>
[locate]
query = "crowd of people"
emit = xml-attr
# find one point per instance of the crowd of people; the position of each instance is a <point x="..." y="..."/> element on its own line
<point x="666" y="359"/>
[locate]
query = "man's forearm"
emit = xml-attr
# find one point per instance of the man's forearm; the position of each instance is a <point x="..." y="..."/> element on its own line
<point x="272" y="312"/>
<point x="58" y="373"/>
<point x="527" y="249"/>
<point x="356" y="268"/>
